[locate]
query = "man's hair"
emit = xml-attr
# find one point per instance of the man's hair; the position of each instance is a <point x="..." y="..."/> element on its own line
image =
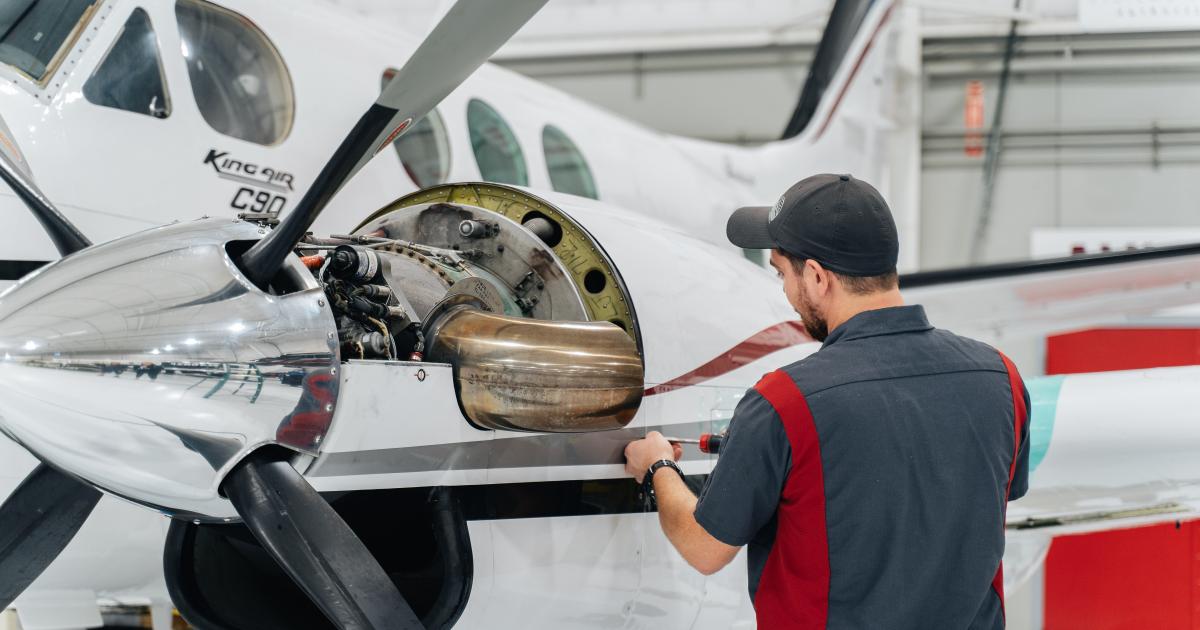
<point x="856" y="285"/>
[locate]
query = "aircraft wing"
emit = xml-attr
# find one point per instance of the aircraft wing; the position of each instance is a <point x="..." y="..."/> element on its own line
<point x="1007" y="300"/>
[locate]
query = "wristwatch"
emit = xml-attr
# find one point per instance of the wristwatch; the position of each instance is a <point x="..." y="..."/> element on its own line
<point x="648" y="480"/>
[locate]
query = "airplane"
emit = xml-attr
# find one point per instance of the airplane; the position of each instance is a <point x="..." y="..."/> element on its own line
<point x="544" y="509"/>
<point x="187" y="130"/>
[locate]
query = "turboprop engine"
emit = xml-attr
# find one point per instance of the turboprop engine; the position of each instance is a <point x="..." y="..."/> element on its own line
<point x="209" y="367"/>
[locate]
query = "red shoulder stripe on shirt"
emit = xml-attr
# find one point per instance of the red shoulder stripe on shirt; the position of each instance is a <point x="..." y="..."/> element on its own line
<point x="1020" y="416"/>
<point x="793" y="591"/>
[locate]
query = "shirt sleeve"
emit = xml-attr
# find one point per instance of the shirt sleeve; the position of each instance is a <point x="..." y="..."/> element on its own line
<point x="742" y="493"/>
<point x="1020" y="481"/>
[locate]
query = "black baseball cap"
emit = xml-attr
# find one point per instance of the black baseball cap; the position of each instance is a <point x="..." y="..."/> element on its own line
<point x="837" y="220"/>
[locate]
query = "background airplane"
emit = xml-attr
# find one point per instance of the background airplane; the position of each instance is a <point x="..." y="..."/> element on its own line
<point x="680" y="187"/>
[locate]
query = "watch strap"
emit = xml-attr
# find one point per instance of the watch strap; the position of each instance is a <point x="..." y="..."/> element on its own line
<point x="660" y="464"/>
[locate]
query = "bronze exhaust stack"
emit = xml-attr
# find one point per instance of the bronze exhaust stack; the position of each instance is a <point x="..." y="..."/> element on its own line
<point x="521" y="374"/>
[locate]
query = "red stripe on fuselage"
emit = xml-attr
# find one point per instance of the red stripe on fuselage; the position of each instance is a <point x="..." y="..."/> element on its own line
<point x="759" y="345"/>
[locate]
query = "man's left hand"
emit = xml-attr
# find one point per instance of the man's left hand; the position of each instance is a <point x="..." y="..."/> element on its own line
<point x="640" y="454"/>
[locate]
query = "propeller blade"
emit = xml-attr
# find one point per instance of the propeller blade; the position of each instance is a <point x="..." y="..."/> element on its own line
<point x="465" y="38"/>
<point x="315" y="546"/>
<point x="67" y="238"/>
<point x="36" y="522"/>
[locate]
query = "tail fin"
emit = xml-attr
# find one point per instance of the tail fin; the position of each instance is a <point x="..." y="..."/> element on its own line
<point x="854" y="113"/>
<point x="845" y="21"/>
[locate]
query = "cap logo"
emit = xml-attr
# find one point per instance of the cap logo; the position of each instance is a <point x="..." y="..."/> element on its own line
<point x="775" y="210"/>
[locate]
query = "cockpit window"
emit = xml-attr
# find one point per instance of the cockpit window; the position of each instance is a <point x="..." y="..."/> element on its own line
<point x="496" y="150"/>
<point x="131" y="76"/>
<point x="35" y="34"/>
<point x="424" y="149"/>
<point x="239" y="80"/>
<point x="569" y="172"/>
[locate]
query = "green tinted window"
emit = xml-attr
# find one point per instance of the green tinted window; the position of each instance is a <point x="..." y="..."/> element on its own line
<point x="496" y="150"/>
<point x="35" y="33"/>
<point x="569" y="172"/>
<point x="131" y="77"/>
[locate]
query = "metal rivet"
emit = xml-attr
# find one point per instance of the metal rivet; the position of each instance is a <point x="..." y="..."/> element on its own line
<point x="421" y="375"/>
<point x="320" y="302"/>
<point x="329" y="407"/>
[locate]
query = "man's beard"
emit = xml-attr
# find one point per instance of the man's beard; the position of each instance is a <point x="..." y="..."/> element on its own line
<point x="813" y="321"/>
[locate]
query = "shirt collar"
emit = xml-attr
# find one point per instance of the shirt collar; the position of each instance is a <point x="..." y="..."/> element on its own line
<point x="883" y="321"/>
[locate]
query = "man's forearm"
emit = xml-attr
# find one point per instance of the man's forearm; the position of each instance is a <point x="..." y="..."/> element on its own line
<point x="676" y="514"/>
<point x="676" y="505"/>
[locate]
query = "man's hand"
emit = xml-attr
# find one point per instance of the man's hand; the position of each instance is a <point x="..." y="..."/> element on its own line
<point x="641" y="453"/>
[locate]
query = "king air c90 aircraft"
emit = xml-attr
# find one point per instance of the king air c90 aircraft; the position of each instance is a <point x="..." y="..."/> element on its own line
<point x="416" y="418"/>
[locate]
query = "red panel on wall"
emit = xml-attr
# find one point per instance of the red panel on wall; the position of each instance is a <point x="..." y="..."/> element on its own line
<point x="1107" y="349"/>
<point x="1127" y="579"/>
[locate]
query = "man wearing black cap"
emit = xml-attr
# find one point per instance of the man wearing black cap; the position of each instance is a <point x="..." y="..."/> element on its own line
<point x="870" y="479"/>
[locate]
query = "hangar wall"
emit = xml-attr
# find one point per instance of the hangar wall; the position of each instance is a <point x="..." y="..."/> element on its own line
<point x="1099" y="130"/>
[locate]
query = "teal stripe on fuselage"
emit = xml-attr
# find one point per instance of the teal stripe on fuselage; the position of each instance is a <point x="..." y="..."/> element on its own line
<point x="1043" y="394"/>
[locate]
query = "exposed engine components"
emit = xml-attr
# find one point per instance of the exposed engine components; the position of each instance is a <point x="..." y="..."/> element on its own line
<point x="508" y="290"/>
<point x="472" y="228"/>
<point x="351" y="262"/>
<point x="568" y="266"/>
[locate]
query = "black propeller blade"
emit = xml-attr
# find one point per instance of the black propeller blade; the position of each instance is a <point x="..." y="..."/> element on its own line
<point x="469" y="33"/>
<point x="48" y="508"/>
<point x="36" y="523"/>
<point x="67" y="238"/>
<point x="315" y="546"/>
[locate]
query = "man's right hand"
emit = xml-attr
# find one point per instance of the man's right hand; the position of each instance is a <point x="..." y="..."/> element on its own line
<point x="640" y="454"/>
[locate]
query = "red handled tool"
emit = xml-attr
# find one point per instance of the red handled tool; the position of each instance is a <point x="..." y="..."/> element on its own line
<point x="708" y="443"/>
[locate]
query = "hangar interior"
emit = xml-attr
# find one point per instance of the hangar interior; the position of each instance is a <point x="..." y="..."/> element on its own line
<point x="1018" y="129"/>
<point x="1098" y="129"/>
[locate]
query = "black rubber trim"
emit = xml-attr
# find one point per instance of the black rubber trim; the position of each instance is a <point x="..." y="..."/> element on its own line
<point x="17" y="269"/>
<point x="1030" y="267"/>
<point x="845" y="20"/>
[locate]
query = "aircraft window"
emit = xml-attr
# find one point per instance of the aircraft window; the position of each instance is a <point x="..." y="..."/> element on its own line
<point x="569" y="172"/>
<point x="424" y="149"/>
<point x="496" y="150"/>
<point x="35" y="34"/>
<point x="131" y="76"/>
<point x="239" y="80"/>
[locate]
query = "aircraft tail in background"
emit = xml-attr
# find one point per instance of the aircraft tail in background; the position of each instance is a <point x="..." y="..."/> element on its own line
<point x="856" y="113"/>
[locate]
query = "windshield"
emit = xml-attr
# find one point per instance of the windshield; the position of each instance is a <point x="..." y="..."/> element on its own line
<point x="35" y="34"/>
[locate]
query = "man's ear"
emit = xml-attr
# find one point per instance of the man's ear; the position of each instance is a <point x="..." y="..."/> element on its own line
<point x="822" y="278"/>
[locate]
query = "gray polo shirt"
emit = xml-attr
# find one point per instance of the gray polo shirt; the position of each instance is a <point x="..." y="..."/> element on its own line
<point x="892" y="513"/>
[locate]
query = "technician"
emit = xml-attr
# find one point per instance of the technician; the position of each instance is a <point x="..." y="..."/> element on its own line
<point x="870" y="479"/>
